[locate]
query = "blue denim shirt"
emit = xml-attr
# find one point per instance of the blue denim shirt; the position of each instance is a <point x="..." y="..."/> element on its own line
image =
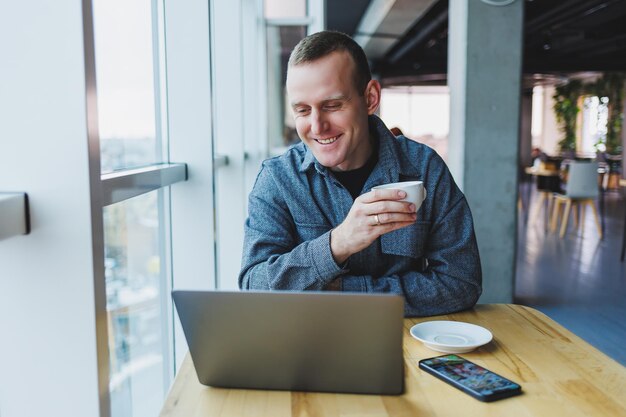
<point x="296" y="202"/>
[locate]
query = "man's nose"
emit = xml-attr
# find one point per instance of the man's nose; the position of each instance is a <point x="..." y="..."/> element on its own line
<point x="318" y="123"/>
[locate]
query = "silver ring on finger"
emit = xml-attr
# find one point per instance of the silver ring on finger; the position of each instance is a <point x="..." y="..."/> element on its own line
<point x="377" y="220"/>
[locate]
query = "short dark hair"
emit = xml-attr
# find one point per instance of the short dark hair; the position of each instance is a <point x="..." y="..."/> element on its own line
<point x="321" y="44"/>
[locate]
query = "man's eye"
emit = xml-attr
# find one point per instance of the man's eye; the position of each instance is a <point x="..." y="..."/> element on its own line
<point x="334" y="106"/>
<point x="302" y="110"/>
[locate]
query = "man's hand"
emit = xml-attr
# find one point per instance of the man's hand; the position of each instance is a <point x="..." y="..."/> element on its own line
<point x="373" y="214"/>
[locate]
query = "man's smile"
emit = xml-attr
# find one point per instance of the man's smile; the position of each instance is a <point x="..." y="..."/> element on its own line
<point x="327" y="141"/>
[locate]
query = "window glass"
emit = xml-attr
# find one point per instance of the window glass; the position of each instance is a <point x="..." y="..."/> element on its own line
<point x="421" y="113"/>
<point x="135" y="290"/>
<point x="595" y="112"/>
<point x="280" y="42"/>
<point x="285" y="9"/>
<point x="537" y="115"/>
<point x="125" y="80"/>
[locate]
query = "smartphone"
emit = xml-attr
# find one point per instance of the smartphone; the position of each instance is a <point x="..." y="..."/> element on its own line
<point x="470" y="378"/>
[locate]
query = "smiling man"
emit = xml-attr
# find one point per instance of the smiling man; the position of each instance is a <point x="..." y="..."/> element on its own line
<point x="313" y="222"/>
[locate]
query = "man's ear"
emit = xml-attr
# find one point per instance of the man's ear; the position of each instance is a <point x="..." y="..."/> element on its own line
<point x="372" y="96"/>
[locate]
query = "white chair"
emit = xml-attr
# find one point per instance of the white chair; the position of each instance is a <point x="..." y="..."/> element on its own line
<point x="581" y="191"/>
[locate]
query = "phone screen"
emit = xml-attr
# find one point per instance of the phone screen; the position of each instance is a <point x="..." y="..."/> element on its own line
<point x="471" y="378"/>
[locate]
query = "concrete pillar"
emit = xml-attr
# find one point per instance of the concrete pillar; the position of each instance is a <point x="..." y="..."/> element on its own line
<point x="484" y="76"/>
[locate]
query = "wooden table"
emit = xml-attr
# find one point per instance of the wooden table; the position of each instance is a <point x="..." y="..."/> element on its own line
<point x="560" y="374"/>
<point x="541" y="172"/>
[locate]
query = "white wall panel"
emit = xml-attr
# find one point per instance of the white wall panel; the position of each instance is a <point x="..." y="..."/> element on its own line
<point x="229" y="119"/>
<point x="47" y="313"/>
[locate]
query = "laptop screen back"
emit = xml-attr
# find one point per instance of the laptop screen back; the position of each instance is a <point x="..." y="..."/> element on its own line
<point x="300" y="341"/>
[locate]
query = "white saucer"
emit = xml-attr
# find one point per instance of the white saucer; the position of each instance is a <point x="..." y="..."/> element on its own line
<point x="451" y="336"/>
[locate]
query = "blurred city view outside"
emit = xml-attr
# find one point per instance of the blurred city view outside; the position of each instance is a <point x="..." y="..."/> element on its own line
<point x="134" y="309"/>
<point x="125" y="77"/>
<point x="118" y="153"/>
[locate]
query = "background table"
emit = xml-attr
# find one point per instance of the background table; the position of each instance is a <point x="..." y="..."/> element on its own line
<point x="560" y="374"/>
<point x="548" y="182"/>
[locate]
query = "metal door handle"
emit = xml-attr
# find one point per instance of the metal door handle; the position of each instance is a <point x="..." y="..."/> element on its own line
<point x="221" y="161"/>
<point x="14" y="215"/>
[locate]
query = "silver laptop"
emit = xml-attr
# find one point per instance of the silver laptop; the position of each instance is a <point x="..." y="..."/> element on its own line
<point x="298" y="341"/>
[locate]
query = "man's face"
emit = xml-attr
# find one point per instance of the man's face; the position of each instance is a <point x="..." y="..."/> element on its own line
<point x="330" y="114"/>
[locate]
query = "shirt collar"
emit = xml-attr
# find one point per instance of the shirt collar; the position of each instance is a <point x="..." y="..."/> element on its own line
<point x="387" y="155"/>
<point x="309" y="160"/>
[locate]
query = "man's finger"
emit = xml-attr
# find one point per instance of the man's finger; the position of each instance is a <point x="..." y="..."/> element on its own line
<point x="382" y="194"/>
<point x="385" y="218"/>
<point x="388" y="206"/>
<point x="390" y="227"/>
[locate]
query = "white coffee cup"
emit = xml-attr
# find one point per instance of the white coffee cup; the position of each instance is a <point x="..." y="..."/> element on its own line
<point x="415" y="191"/>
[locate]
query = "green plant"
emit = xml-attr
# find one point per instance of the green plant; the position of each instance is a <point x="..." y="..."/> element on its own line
<point x="566" y="110"/>
<point x="611" y="85"/>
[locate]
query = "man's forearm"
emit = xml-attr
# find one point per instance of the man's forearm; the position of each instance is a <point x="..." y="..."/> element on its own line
<point x="309" y="266"/>
<point x="426" y="293"/>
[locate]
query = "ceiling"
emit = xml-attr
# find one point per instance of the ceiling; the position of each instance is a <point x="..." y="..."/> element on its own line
<point x="406" y="40"/>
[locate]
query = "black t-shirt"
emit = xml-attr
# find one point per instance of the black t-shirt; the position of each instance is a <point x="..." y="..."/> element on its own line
<point x="354" y="180"/>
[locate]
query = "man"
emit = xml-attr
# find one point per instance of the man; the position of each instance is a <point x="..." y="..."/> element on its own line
<point x="313" y="223"/>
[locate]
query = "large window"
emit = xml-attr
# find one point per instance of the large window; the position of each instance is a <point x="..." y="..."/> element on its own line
<point x="132" y="142"/>
<point x="421" y="113"/>
<point x="284" y="9"/>
<point x="135" y="282"/>
<point x="125" y="75"/>
<point x="281" y="39"/>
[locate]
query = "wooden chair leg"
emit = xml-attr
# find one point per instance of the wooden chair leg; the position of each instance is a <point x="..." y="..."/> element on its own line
<point x="551" y="201"/>
<point x="595" y="216"/>
<point x="575" y="210"/>
<point x="568" y="207"/>
<point x="542" y="196"/>
<point x="582" y="216"/>
<point x="555" y="214"/>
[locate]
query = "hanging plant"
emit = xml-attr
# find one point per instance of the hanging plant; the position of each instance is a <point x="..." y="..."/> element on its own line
<point x="611" y="86"/>
<point x="566" y="110"/>
<point x="614" y="84"/>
